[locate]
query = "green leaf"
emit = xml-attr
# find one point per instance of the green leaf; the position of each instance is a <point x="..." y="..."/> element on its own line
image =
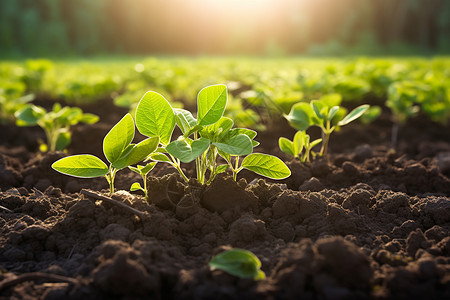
<point x="301" y="116"/>
<point x="221" y="168"/>
<point x="137" y="153"/>
<point x="147" y="168"/>
<point x="320" y="109"/>
<point x="226" y="156"/>
<point x="331" y="99"/>
<point x="217" y="130"/>
<point x="89" y="118"/>
<point x="248" y="132"/>
<point x="196" y="128"/>
<point x="135" y="170"/>
<point x="63" y="140"/>
<point x="372" y="114"/>
<point x="185" y="152"/>
<point x="161" y="157"/>
<point x="211" y="102"/>
<point x="136" y="187"/>
<point x="238" y="262"/>
<point x="182" y="123"/>
<point x="155" y="117"/>
<point x="286" y="146"/>
<point x="298" y="142"/>
<point x="354" y="114"/>
<point x="315" y="142"/>
<point x="237" y="145"/>
<point x="266" y="165"/>
<point x="333" y="112"/>
<point x="187" y="115"/>
<point x="83" y="166"/>
<point x="29" y="115"/>
<point x="118" y="138"/>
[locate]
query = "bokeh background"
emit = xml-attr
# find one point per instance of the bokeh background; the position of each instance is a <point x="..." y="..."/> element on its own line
<point x="39" y="28"/>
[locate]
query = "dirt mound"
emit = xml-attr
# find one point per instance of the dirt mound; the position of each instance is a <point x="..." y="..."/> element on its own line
<point x="367" y="223"/>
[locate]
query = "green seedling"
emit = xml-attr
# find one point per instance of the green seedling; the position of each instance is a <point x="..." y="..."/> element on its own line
<point x="238" y="262"/>
<point x="295" y="147"/>
<point x="319" y="113"/>
<point x="204" y="138"/>
<point x="371" y="115"/>
<point x="402" y="97"/>
<point x="118" y="150"/>
<point x="9" y="106"/>
<point x="143" y="171"/>
<point x="56" y="123"/>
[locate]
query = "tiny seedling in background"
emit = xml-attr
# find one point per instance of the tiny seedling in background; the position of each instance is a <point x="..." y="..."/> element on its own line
<point x="10" y="102"/>
<point x="56" y="123"/>
<point x="118" y="149"/>
<point x="402" y="97"/>
<point x="143" y="171"/>
<point x="320" y="113"/>
<point x="238" y="262"/>
<point x="295" y="147"/>
<point x="371" y="114"/>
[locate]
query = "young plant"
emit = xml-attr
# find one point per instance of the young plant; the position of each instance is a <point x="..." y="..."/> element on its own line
<point x="118" y="150"/>
<point x="319" y="113"/>
<point x="12" y="99"/>
<point x="238" y="262"/>
<point x="402" y="100"/>
<point x="204" y="138"/>
<point x="56" y="123"/>
<point x="295" y="147"/>
<point x="143" y="171"/>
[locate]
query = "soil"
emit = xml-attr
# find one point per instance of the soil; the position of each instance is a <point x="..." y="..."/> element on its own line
<point x="369" y="222"/>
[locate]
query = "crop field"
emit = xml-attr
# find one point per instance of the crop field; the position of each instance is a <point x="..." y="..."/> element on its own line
<point x="225" y="178"/>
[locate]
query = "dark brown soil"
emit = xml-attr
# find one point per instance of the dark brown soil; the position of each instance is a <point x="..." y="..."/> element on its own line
<point x="368" y="223"/>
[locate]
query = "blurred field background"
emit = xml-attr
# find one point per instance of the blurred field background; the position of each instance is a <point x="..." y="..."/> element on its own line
<point x="54" y="28"/>
<point x="271" y="54"/>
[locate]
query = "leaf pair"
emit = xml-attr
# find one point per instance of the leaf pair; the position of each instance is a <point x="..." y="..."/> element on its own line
<point x="318" y="112"/>
<point x="55" y="123"/>
<point x="295" y="147"/>
<point x="118" y="150"/>
<point x="324" y="114"/>
<point x="238" y="262"/>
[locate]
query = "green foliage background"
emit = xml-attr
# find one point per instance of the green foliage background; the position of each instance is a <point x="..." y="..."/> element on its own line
<point x="330" y="27"/>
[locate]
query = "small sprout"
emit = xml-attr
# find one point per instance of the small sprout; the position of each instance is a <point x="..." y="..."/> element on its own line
<point x="55" y="123"/>
<point x="402" y="99"/>
<point x="238" y="262"/>
<point x="295" y="148"/>
<point x="324" y="114"/>
<point x="119" y="152"/>
<point x="143" y="171"/>
<point x="12" y="101"/>
<point x="371" y="114"/>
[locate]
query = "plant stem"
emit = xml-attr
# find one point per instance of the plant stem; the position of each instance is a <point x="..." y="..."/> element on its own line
<point x="176" y="164"/>
<point x="144" y="177"/>
<point x="236" y="169"/>
<point x="306" y="157"/>
<point x="197" y="161"/>
<point x="202" y="168"/>
<point x="51" y="144"/>
<point x="326" y="132"/>
<point x="110" y="178"/>
<point x="324" y="151"/>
